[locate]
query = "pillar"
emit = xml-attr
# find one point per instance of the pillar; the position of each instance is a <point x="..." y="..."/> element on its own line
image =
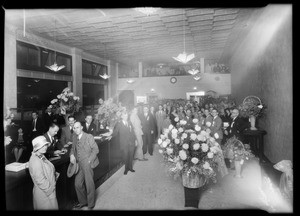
<point x="77" y="73"/>
<point x="10" y="68"/>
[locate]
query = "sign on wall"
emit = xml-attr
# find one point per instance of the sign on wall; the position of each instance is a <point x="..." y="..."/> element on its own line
<point x="141" y="99"/>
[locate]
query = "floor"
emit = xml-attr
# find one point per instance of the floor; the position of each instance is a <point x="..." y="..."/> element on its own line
<point x="150" y="188"/>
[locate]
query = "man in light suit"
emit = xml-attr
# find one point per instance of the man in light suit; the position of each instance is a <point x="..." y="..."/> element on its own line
<point x="84" y="151"/>
<point x="160" y="117"/>
<point x="88" y="126"/>
<point x="216" y="126"/>
<point x="124" y="129"/>
<point x="67" y="132"/>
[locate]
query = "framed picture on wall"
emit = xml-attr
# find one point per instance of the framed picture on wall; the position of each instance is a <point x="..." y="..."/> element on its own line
<point x="141" y="99"/>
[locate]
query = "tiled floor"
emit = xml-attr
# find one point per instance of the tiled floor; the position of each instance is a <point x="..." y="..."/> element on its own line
<point x="150" y="188"/>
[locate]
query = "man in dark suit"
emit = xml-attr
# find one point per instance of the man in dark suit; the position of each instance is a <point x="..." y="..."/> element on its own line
<point x="88" y="126"/>
<point x="67" y="132"/>
<point x="84" y="151"/>
<point x="148" y="127"/>
<point x="124" y="129"/>
<point x="236" y="126"/>
<point x="54" y="147"/>
<point x="48" y="117"/>
<point x="189" y="120"/>
<point x="37" y="126"/>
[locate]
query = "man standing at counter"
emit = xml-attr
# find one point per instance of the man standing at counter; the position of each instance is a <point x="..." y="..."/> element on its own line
<point x="84" y="151"/>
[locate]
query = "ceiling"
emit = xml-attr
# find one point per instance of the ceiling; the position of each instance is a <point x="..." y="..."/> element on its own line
<point x="128" y="36"/>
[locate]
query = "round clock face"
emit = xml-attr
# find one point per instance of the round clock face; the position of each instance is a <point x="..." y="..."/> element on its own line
<point x="173" y="80"/>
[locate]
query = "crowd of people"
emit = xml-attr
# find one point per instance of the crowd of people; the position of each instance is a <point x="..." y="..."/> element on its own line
<point x="138" y="130"/>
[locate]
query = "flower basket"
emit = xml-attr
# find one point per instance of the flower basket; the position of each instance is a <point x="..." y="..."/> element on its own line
<point x="251" y="107"/>
<point x="192" y="180"/>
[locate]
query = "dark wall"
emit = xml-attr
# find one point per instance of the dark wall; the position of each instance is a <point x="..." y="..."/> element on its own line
<point x="261" y="65"/>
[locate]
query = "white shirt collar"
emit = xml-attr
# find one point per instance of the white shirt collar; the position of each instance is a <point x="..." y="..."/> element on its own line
<point x="79" y="136"/>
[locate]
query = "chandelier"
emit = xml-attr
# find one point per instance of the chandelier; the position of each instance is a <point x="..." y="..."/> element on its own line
<point x="183" y="57"/>
<point x="146" y="10"/>
<point x="130" y="81"/>
<point x="104" y="76"/>
<point x="197" y="77"/>
<point x="55" y="67"/>
<point x="193" y="71"/>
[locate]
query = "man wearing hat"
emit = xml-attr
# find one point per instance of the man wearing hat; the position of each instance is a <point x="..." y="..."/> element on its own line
<point x="43" y="175"/>
<point x="84" y="152"/>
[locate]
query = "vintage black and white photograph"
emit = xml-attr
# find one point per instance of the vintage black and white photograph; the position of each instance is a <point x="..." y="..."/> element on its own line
<point x="149" y="108"/>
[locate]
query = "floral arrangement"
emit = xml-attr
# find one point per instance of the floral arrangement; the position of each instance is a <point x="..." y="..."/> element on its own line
<point x="108" y="112"/>
<point x="235" y="150"/>
<point x="65" y="103"/>
<point x="193" y="152"/>
<point x="7" y="121"/>
<point x="251" y="106"/>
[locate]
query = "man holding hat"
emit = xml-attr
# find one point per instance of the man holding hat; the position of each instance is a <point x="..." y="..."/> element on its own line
<point x="43" y="175"/>
<point x="84" y="152"/>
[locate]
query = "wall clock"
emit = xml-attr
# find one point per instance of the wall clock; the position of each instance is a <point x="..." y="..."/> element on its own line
<point x="173" y="80"/>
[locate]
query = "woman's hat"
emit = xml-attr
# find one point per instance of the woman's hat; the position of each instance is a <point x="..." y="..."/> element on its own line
<point x="39" y="142"/>
<point x="72" y="169"/>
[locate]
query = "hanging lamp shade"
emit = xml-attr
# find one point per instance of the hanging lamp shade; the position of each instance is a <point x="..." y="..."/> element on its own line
<point x="183" y="57"/>
<point x="55" y="67"/>
<point x="193" y="71"/>
<point x="104" y="76"/>
<point x="197" y="77"/>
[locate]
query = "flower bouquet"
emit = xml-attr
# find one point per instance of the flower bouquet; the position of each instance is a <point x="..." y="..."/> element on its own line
<point x="192" y="154"/>
<point x="251" y="106"/>
<point x="65" y="103"/>
<point x="108" y="113"/>
<point x="237" y="153"/>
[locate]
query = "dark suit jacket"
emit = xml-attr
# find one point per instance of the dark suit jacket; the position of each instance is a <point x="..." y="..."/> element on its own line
<point x="40" y="127"/>
<point x="126" y="135"/>
<point x="148" y="123"/>
<point x="239" y="125"/>
<point x="48" y="119"/>
<point x="54" y="145"/>
<point x="91" y="130"/>
<point x="189" y="123"/>
<point x="216" y="127"/>
<point x="90" y="146"/>
<point x="66" y="135"/>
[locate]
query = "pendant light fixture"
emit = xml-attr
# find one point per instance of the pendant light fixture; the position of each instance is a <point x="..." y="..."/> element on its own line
<point x="104" y="76"/>
<point x="55" y="67"/>
<point x="183" y="57"/>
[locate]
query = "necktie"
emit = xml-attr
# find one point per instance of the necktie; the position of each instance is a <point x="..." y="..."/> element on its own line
<point x="71" y="130"/>
<point x="34" y="124"/>
<point x="87" y="126"/>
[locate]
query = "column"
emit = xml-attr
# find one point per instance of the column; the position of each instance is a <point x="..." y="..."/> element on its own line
<point x="202" y="65"/>
<point x="140" y="69"/>
<point x="10" y="68"/>
<point x="77" y="73"/>
<point x="107" y="90"/>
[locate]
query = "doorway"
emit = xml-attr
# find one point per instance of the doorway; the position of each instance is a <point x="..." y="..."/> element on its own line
<point x="126" y="97"/>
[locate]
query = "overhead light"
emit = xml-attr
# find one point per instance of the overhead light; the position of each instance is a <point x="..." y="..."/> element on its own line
<point x="183" y="57"/>
<point x="55" y="67"/>
<point x="197" y="77"/>
<point x="146" y="10"/>
<point x="195" y="88"/>
<point x="160" y="65"/>
<point x="152" y="90"/>
<point x="37" y="80"/>
<point x="130" y="81"/>
<point x="193" y="71"/>
<point x="104" y="76"/>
